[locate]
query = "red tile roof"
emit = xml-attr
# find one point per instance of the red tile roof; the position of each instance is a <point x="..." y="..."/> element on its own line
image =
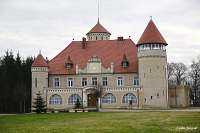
<point x="107" y="50"/>
<point x="40" y="61"/>
<point x="151" y="35"/>
<point x="98" y="28"/>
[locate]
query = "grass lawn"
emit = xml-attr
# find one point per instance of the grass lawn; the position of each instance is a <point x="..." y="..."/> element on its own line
<point x="101" y="122"/>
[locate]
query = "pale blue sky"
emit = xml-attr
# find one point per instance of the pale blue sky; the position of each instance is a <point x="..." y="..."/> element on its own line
<point x="28" y="26"/>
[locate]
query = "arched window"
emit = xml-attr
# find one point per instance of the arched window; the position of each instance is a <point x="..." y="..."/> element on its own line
<point x="96" y="37"/>
<point x="129" y="96"/>
<point x="55" y="99"/>
<point x="73" y="98"/>
<point x="109" y="98"/>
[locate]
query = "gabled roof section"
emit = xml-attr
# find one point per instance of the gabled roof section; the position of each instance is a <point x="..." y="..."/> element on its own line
<point x="108" y="51"/>
<point x="151" y="35"/>
<point x="98" y="28"/>
<point x="69" y="60"/>
<point x="124" y="59"/>
<point x="40" y="62"/>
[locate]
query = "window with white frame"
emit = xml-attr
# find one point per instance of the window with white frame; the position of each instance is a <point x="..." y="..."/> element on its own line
<point x="73" y="99"/>
<point x="94" y="80"/>
<point x="119" y="81"/>
<point x="136" y="81"/>
<point x="129" y="97"/>
<point x="104" y="81"/>
<point x="70" y="82"/>
<point x="55" y="99"/>
<point x="109" y="98"/>
<point x="56" y="82"/>
<point x="84" y="81"/>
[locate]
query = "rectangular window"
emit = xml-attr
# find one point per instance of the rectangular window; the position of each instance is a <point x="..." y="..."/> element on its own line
<point x="84" y="81"/>
<point x="56" y="82"/>
<point x="145" y="100"/>
<point x="35" y="82"/>
<point x="136" y="81"/>
<point x="94" y="81"/>
<point x="104" y="81"/>
<point x="158" y="95"/>
<point x="120" y="81"/>
<point x="69" y="82"/>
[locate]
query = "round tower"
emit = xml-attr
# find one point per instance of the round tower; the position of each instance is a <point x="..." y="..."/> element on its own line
<point x="98" y="32"/>
<point x="152" y="64"/>
<point x="39" y="71"/>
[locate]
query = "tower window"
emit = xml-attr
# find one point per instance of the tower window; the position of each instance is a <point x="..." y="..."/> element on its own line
<point x="35" y="82"/>
<point x="47" y="84"/>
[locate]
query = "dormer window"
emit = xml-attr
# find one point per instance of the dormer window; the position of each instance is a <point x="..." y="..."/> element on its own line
<point x="124" y="61"/>
<point x="69" y="63"/>
<point x="124" y="64"/>
<point x="69" y="66"/>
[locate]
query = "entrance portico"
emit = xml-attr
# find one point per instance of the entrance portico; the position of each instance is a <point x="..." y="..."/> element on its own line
<point x="89" y="98"/>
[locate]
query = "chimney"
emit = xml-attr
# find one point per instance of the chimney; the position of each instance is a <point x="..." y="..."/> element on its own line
<point x="83" y="43"/>
<point x="120" y="39"/>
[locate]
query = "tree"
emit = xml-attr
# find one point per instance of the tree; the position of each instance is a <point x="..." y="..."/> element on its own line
<point x="15" y="82"/>
<point x="77" y="104"/>
<point x="194" y="74"/>
<point x="39" y="104"/>
<point x="170" y="70"/>
<point x="98" y="92"/>
<point x="177" y="73"/>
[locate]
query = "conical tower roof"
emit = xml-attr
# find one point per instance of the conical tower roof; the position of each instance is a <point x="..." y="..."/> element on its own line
<point x="40" y="61"/>
<point x="98" y="28"/>
<point x="151" y="35"/>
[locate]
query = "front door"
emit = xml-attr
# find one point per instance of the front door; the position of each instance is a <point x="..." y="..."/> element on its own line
<point x="92" y="100"/>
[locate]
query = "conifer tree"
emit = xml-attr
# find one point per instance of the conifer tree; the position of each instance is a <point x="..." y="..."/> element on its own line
<point x="39" y="104"/>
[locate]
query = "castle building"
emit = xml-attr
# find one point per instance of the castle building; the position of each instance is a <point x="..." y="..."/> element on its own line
<point x="124" y="71"/>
